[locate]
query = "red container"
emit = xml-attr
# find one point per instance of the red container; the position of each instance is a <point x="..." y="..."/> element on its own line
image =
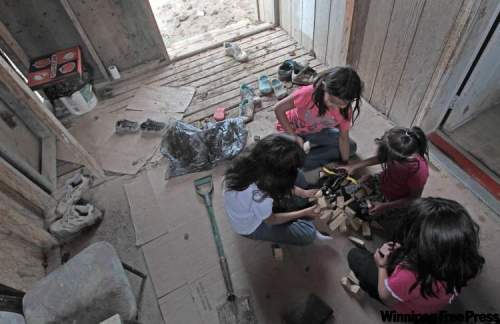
<point x="50" y="69"/>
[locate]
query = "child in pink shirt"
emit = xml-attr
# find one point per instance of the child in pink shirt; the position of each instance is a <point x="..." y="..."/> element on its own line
<point x="434" y="255"/>
<point x="322" y="114"/>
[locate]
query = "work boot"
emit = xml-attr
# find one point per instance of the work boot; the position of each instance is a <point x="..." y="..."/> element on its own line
<point x="79" y="217"/>
<point x="73" y="190"/>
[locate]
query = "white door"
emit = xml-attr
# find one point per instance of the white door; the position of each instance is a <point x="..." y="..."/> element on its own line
<point x="482" y="86"/>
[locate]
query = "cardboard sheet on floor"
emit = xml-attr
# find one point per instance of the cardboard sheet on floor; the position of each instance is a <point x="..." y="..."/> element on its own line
<point x="144" y="210"/>
<point x="126" y="154"/>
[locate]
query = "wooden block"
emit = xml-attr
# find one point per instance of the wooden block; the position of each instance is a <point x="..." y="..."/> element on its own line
<point x="326" y="214"/>
<point x="312" y="199"/>
<point x="336" y="222"/>
<point x="343" y="227"/>
<point x="355" y="225"/>
<point x="365" y="230"/>
<point x="322" y="202"/>
<point x="277" y="252"/>
<point x="358" y="242"/>
<point x="349" y="212"/>
<point x="355" y="289"/>
<point x="340" y="202"/>
<point x="318" y="194"/>
<point x="352" y="277"/>
<point x="337" y="212"/>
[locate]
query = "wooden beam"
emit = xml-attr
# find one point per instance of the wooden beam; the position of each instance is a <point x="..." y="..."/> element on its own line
<point x="154" y="26"/>
<point x="72" y="16"/>
<point x="19" y="221"/>
<point x="348" y="30"/>
<point x="14" y="46"/>
<point x="23" y="93"/>
<point x="20" y="185"/>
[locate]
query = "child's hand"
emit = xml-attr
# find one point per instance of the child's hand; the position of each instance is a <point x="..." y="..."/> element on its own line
<point x="313" y="211"/>
<point x="347" y="168"/>
<point x="382" y="254"/>
<point x="299" y="141"/>
<point x="377" y="208"/>
<point x="309" y="193"/>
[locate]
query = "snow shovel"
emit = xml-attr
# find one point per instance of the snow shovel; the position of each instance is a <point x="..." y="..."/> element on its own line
<point x="236" y="310"/>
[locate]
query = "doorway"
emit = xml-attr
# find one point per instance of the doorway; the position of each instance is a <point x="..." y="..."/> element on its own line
<point x="473" y="123"/>
<point x="186" y="22"/>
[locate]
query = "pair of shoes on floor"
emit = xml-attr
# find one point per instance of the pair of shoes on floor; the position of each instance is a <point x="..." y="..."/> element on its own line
<point x="125" y="126"/>
<point x="73" y="190"/>
<point x="78" y="217"/>
<point x="267" y="87"/>
<point x="293" y="71"/>
<point x="234" y="50"/>
<point x="248" y="102"/>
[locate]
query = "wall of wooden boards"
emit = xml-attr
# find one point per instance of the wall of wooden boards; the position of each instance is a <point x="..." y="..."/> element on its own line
<point x="400" y="48"/>
<point x="317" y="25"/>
<point x="123" y="33"/>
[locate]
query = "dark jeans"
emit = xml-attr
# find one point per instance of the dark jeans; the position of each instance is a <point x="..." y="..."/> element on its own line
<point x="296" y="232"/>
<point x="325" y="148"/>
<point x="362" y="264"/>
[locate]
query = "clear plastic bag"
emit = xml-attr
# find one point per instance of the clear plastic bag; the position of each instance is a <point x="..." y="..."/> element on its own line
<point x="190" y="149"/>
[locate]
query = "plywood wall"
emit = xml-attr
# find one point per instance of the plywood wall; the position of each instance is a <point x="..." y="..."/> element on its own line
<point x="317" y="25"/>
<point x="397" y="46"/>
<point x="123" y="33"/>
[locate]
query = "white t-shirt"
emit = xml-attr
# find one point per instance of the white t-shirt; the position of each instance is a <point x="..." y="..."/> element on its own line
<point x="245" y="209"/>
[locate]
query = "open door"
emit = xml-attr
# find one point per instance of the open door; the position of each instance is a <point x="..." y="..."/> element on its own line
<point x="473" y="121"/>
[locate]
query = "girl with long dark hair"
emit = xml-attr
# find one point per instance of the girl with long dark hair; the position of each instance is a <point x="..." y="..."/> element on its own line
<point x="433" y="256"/>
<point x="260" y="196"/>
<point x="322" y="114"/>
<point x="403" y="154"/>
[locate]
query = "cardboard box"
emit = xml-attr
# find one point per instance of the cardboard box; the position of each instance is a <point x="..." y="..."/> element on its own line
<point x="50" y="69"/>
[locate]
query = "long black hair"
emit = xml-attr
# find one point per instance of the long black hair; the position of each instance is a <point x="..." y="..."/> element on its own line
<point x="342" y="82"/>
<point x="399" y="144"/>
<point x="439" y="242"/>
<point x="272" y="164"/>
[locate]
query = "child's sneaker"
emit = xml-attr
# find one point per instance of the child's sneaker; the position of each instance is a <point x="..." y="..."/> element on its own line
<point x="246" y="109"/>
<point x="234" y="50"/>
<point x="285" y="71"/>
<point x="125" y="126"/>
<point x="79" y="217"/>
<point x="279" y="89"/>
<point x="305" y="77"/>
<point x="153" y="127"/>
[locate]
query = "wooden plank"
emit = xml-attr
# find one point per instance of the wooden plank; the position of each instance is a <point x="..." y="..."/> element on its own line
<point x="85" y="38"/>
<point x="285" y="22"/>
<point x="402" y="29"/>
<point x="346" y="31"/>
<point x="203" y="61"/>
<point x="374" y="37"/>
<point x="335" y="33"/>
<point x="18" y="184"/>
<point x="229" y="37"/>
<point x="23" y="223"/>
<point x="321" y="26"/>
<point x="297" y="20"/>
<point x="43" y="27"/>
<point x="155" y="30"/>
<point x="120" y="31"/>
<point x="308" y="21"/>
<point x="430" y="38"/>
<point x="276" y="57"/>
<point x="14" y="46"/>
<point x="470" y="41"/>
<point x="357" y="35"/>
<point x="21" y="91"/>
<point x="49" y="165"/>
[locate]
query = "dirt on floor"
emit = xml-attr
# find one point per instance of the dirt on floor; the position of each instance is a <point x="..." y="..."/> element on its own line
<point x="180" y="19"/>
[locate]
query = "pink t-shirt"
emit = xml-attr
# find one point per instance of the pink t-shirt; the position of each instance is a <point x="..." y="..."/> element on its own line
<point x="305" y="117"/>
<point x="399" y="284"/>
<point x="398" y="179"/>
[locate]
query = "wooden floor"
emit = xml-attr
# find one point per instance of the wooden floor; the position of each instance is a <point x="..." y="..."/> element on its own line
<point x="217" y="77"/>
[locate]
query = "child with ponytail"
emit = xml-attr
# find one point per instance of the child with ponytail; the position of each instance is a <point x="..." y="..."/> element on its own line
<point x="322" y="114"/>
<point x="403" y="154"/>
